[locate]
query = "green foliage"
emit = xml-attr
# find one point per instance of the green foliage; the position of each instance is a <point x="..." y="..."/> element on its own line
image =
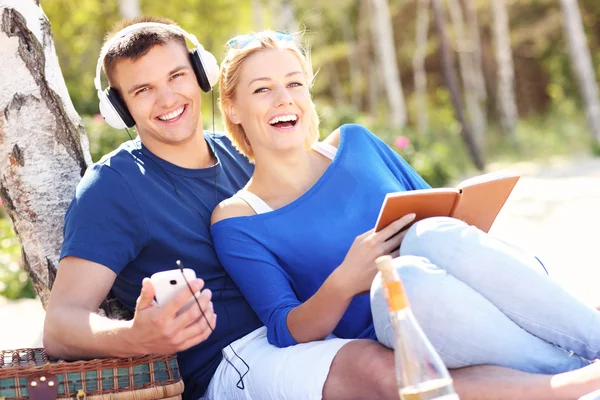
<point x="14" y="283"/>
<point x="103" y="139"/>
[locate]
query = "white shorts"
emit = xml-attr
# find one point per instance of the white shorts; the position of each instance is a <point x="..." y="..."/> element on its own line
<point x="295" y="372"/>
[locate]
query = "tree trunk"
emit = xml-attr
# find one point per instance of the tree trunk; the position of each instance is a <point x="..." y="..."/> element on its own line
<point x="43" y="147"/>
<point x="582" y="63"/>
<point x="507" y="104"/>
<point x="129" y="9"/>
<point x="257" y="15"/>
<point x="453" y="87"/>
<point x="368" y="63"/>
<point x="328" y="65"/>
<point x="419" y="65"/>
<point x="287" y="20"/>
<point x="383" y="38"/>
<point x="353" y="61"/>
<point x="473" y="28"/>
<point x="465" y="59"/>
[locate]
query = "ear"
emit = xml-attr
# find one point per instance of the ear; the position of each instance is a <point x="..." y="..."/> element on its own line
<point x="232" y="114"/>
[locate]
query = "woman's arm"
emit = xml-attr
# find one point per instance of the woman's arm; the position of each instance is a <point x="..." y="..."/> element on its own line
<point x="269" y="289"/>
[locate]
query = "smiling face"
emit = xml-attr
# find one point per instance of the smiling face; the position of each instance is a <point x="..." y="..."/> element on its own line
<point x="162" y="94"/>
<point x="272" y="102"/>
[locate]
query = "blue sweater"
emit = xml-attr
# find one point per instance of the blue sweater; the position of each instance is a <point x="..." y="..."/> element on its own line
<point x="127" y="214"/>
<point x="281" y="258"/>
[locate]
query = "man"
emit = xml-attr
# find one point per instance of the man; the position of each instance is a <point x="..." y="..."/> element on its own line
<point x="148" y="204"/>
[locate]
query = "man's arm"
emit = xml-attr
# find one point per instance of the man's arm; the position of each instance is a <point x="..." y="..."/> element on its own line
<point x="74" y="330"/>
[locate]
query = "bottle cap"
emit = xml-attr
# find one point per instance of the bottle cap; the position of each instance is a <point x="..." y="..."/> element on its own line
<point x="392" y="285"/>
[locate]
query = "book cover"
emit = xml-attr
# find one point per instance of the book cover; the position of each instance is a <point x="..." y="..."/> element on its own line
<point x="477" y="201"/>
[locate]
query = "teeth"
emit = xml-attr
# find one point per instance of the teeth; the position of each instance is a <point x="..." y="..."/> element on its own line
<point x="173" y="115"/>
<point x="283" y="118"/>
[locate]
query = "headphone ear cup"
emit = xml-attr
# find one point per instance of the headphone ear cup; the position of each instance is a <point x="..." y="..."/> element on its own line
<point x="119" y="107"/>
<point x="206" y="67"/>
<point x="109" y="113"/>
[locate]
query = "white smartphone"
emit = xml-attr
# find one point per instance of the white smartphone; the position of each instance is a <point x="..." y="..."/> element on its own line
<point x="167" y="283"/>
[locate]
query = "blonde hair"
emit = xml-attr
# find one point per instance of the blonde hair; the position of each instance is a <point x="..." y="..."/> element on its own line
<point x="230" y="77"/>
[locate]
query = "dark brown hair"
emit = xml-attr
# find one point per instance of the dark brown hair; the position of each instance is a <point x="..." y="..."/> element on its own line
<point x="138" y="43"/>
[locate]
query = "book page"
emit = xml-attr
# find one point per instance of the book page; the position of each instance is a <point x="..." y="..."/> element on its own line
<point x="479" y="204"/>
<point x="491" y="176"/>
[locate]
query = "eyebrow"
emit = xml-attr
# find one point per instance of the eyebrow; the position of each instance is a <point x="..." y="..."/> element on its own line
<point x="141" y="85"/>
<point x="268" y="79"/>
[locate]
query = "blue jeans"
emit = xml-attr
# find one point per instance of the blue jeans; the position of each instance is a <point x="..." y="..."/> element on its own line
<point x="482" y="301"/>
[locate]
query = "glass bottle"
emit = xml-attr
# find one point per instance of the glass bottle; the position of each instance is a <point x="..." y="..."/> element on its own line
<point x="420" y="372"/>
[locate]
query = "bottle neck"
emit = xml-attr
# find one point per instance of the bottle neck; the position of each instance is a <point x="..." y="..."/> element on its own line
<point x="396" y="296"/>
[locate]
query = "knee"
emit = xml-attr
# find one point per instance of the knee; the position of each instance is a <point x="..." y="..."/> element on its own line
<point x="419" y="276"/>
<point x="362" y="369"/>
<point x="430" y="234"/>
<point x="406" y="266"/>
<point x="378" y="366"/>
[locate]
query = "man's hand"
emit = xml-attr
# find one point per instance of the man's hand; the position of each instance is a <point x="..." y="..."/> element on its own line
<point x="175" y="325"/>
<point x="74" y="330"/>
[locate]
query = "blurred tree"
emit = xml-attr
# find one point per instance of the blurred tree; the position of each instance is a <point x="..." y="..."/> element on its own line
<point x="285" y="16"/>
<point x="453" y="86"/>
<point x="383" y="40"/>
<point x="469" y="73"/>
<point x="507" y="105"/>
<point x="257" y="15"/>
<point x="353" y="60"/>
<point x="420" y="76"/>
<point x="475" y="39"/>
<point x="129" y="9"/>
<point x="582" y="64"/>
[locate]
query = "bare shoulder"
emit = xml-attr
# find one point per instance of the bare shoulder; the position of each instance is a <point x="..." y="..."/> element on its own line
<point x="333" y="139"/>
<point x="230" y="208"/>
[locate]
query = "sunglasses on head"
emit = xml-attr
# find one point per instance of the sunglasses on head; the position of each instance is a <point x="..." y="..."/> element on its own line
<point x="241" y="41"/>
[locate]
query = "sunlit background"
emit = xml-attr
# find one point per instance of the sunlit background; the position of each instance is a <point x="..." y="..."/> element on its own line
<point x="455" y="86"/>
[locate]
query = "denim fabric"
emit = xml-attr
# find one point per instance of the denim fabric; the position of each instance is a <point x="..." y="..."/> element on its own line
<point x="480" y="300"/>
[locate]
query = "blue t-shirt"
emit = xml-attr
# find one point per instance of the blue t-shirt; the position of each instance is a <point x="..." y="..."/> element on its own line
<point x="279" y="259"/>
<point x="138" y="214"/>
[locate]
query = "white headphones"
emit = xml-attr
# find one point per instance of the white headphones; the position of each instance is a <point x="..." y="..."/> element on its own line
<point x="112" y="106"/>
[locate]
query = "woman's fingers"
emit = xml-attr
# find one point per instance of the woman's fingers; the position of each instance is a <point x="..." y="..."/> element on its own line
<point x="396" y="226"/>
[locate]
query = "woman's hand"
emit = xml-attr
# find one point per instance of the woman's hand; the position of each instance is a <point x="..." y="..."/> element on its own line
<point x="358" y="268"/>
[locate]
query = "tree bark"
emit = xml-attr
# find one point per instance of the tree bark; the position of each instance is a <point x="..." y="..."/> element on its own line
<point x="257" y="15"/>
<point x="473" y="29"/>
<point x="465" y="49"/>
<point x="129" y="9"/>
<point x="453" y="87"/>
<point x="287" y="17"/>
<point x="418" y="62"/>
<point x="383" y="40"/>
<point x="353" y="61"/>
<point x="507" y="104"/>
<point x="43" y="147"/>
<point x="368" y="62"/>
<point x="582" y="64"/>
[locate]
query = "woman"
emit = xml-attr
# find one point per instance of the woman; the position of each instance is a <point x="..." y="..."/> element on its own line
<point x="298" y="239"/>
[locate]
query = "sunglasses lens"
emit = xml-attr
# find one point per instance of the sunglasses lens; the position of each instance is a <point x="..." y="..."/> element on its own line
<point x="241" y="41"/>
<point x="238" y="42"/>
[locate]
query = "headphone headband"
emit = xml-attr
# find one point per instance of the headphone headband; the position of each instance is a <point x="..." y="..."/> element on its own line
<point x="133" y="28"/>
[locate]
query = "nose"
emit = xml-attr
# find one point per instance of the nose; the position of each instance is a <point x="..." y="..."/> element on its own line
<point x="166" y="96"/>
<point x="283" y="97"/>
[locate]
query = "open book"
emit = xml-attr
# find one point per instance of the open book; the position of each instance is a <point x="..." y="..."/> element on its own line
<point x="477" y="201"/>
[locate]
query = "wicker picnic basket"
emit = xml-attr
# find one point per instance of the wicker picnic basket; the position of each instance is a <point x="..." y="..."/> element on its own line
<point x="31" y="374"/>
